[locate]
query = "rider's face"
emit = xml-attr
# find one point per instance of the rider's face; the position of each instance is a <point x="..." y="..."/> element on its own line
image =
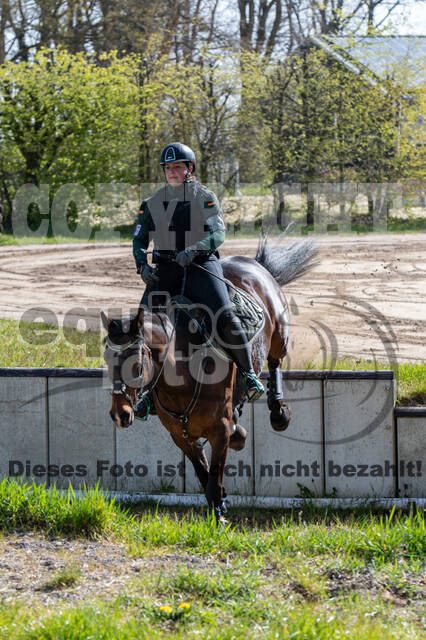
<point x="175" y="172"/>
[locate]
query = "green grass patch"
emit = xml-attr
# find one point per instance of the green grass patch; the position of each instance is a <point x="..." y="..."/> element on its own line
<point x="380" y="538"/>
<point x="24" y="344"/>
<point x="410" y="378"/>
<point x="7" y="239"/>
<point x="66" y="577"/>
<point x="31" y="506"/>
<point x="310" y="574"/>
<point x="242" y="229"/>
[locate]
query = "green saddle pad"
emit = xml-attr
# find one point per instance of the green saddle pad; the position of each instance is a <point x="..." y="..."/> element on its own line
<point x="249" y="312"/>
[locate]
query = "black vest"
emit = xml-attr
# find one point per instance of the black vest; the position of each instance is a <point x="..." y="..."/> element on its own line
<point x="178" y="222"/>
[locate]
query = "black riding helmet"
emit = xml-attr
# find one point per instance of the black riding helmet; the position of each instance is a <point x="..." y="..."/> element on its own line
<point x="177" y="152"/>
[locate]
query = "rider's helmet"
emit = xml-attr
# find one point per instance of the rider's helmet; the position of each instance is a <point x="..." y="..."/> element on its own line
<point x="177" y="152"/>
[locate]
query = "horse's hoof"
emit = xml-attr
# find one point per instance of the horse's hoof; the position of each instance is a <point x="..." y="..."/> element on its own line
<point x="280" y="417"/>
<point x="237" y="440"/>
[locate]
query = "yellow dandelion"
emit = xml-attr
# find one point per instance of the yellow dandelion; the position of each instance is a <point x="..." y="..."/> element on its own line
<point x="166" y="609"/>
<point x="185" y="606"/>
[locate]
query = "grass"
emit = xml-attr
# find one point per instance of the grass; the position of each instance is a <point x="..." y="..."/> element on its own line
<point x="242" y="229"/>
<point x="411" y="378"/>
<point x="8" y="239"/>
<point x="312" y="575"/>
<point x="35" y="344"/>
<point x="31" y="506"/>
<point x="42" y="345"/>
<point x="66" y="577"/>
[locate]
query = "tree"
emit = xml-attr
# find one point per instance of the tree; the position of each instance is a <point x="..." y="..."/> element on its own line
<point x="326" y="124"/>
<point x="195" y="103"/>
<point x="69" y="120"/>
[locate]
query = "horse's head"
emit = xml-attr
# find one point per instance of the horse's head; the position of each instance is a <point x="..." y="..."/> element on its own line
<point x="129" y="363"/>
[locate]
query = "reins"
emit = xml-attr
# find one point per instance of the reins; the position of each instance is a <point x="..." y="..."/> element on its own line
<point x="146" y="389"/>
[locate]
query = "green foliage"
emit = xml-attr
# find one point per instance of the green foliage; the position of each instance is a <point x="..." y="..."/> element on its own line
<point x="74" y="119"/>
<point x="68" y="119"/>
<point x="324" y="123"/>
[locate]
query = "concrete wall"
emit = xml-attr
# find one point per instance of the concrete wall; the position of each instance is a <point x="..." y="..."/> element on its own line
<point x="343" y="439"/>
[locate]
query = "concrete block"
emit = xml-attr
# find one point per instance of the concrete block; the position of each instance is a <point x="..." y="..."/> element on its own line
<point x="359" y="437"/>
<point x="285" y="460"/>
<point x="238" y="477"/>
<point x="150" y="460"/>
<point x="23" y="428"/>
<point x="411" y="438"/>
<point x="81" y="433"/>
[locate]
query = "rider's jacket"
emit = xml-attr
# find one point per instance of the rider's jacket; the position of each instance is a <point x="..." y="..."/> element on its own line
<point x="188" y="216"/>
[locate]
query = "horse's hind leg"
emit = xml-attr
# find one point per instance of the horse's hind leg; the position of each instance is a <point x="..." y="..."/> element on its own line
<point x="280" y="412"/>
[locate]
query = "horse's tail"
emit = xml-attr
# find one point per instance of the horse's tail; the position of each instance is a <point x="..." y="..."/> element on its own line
<point x="286" y="263"/>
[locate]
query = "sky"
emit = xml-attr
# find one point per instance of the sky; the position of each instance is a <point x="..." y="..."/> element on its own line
<point x="411" y="20"/>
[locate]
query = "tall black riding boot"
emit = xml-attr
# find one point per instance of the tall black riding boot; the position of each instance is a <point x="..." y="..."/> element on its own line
<point x="234" y="341"/>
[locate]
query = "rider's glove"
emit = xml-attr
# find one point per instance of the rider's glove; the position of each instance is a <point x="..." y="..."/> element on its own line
<point x="184" y="258"/>
<point x="148" y="275"/>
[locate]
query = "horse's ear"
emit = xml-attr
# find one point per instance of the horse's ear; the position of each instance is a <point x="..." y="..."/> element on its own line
<point x="136" y="322"/>
<point x="140" y="317"/>
<point x="105" y="320"/>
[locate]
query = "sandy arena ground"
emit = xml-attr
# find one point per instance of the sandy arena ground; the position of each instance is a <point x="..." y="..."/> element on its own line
<point x="367" y="298"/>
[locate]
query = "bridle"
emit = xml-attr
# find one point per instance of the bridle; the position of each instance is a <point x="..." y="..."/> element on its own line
<point x="119" y="386"/>
<point x="144" y="353"/>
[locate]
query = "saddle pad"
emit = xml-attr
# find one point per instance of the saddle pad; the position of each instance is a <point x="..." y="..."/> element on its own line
<point x="249" y="312"/>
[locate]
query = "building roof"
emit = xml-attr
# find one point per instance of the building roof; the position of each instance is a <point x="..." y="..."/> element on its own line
<point x="379" y="57"/>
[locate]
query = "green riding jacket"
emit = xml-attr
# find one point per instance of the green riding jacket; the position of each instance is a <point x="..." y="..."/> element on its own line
<point x="191" y="204"/>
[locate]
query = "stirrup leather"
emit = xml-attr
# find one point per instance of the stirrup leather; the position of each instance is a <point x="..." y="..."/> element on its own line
<point x="252" y="386"/>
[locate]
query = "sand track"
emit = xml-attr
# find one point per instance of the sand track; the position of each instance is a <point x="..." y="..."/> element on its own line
<point x="367" y="298"/>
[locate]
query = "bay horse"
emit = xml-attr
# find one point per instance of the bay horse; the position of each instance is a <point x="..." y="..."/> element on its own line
<point x="196" y="394"/>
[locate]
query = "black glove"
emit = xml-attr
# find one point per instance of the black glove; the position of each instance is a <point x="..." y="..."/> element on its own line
<point x="184" y="258"/>
<point x="148" y="275"/>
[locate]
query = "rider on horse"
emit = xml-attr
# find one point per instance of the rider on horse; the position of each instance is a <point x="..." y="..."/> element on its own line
<point x="186" y="223"/>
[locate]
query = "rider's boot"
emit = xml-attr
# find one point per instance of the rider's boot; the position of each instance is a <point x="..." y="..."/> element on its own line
<point x="234" y="340"/>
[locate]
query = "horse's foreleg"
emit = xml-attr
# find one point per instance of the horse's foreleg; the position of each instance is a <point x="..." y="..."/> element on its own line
<point x="194" y="451"/>
<point x="215" y="492"/>
<point x="280" y="412"/>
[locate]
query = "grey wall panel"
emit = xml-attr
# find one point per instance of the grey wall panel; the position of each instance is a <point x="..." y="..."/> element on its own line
<point x="148" y="459"/>
<point x="411" y="457"/>
<point x="238" y="477"/>
<point x="81" y="432"/>
<point x="285" y="460"/>
<point x="23" y="428"/>
<point x="359" y="438"/>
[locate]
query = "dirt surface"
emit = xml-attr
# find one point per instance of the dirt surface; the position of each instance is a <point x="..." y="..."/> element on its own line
<point x="35" y="567"/>
<point x="32" y="566"/>
<point x="367" y="298"/>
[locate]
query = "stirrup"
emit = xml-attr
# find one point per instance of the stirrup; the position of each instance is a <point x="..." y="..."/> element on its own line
<point x="252" y="386"/>
<point x="143" y="409"/>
